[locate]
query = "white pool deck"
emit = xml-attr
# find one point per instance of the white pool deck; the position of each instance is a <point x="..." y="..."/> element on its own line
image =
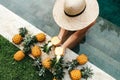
<point x="9" y="24"/>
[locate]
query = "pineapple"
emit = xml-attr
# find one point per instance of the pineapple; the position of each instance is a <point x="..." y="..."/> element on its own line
<point x="82" y="59"/>
<point x="47" y="63"/>
<point x="17" y="39"/>
<point x="55" y="41"/>
<point x="40" y="37"/>
<point x="19" y="55"/>
<point x="54" y="78"/>
<point x="36" y="51"/>
<point x="75" y="74"/>
<point x="59" y="51"/>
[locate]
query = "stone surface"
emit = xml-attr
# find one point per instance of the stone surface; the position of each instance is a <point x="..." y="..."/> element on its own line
<point x="37" y="12"/>
<point x="10" y="24"/>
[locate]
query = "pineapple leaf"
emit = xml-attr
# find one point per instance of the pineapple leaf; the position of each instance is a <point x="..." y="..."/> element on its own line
<point x="47" y="47"/>
<point x="34" y="40"/>
<point x="27" y="50"/>
<point x="45" y="74"/>
<point x="23" y="31"/>
<point x="71" y="65"/>
<point x="42" y="72"/>
<point x="29" y="40"/>
<point x="37" y="63"/>
<point x="58" y="72"/>
<point x="86" y="72"/>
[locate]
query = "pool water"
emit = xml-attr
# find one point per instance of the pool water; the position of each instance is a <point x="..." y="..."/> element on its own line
<point x="110" y="10"/>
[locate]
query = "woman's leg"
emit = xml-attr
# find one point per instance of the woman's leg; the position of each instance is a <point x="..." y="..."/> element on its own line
<point x="73" y="39"/>
<point x="76" y="37"/>
<point x="62" y="34"/>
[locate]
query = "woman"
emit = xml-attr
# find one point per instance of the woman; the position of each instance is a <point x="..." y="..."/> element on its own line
<point x="76" y="16"/>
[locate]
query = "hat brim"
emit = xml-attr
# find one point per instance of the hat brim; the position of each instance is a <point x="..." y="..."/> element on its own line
<point x="79" y="22"/>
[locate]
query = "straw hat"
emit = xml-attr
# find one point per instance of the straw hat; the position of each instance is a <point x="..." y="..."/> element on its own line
<point x="75" y="14"/>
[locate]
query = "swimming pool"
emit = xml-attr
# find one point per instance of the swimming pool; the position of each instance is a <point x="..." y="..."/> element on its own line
<point x="110" y="10"/>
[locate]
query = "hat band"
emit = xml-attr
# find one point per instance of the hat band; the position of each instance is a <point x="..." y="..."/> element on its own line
<point x="75" y="14"/>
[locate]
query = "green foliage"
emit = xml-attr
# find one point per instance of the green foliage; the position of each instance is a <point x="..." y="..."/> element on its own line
<point x="23" y="31"/>
<point x="34" y="40"/>
<point x="47" y="47"/>
<point x="86" y="72"/>
<point x="71" y="65"/>
<point x="27" y="41"/>
<point x="27" y="50"/>
<point x="37" y="63"/>
<point x="12" y="70"/>
<point x="57" y="68"/>
<point x="44" y="73"/>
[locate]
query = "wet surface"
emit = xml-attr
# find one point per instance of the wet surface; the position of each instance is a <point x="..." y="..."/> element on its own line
<point x="110" y="10"/>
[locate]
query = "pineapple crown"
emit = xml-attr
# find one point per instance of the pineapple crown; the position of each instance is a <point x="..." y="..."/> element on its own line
<point x="71" y="65"/>
<point x="38" y="65"/>
<point x="57" y="66"/>
<point x="86" y="72"/>
<point x="29" y="40"/>
<point x="23" y="31"/>
<point x="47" y="47"/>
<point x="27" y="50"/>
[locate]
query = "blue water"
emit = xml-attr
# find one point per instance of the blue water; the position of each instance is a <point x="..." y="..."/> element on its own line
<point x="110" y="10"/>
